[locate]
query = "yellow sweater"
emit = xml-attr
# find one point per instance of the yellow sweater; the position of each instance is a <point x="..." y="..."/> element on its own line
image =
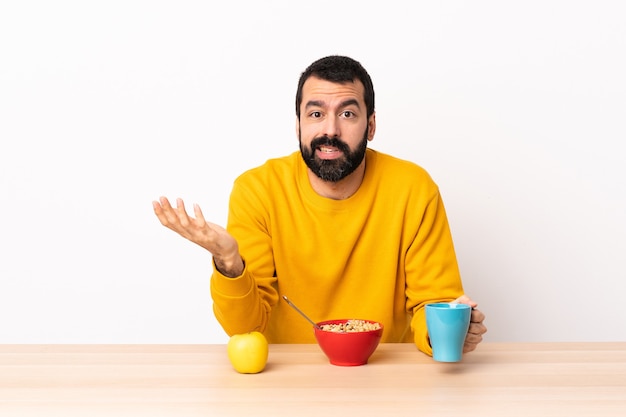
<point x="381" y="254"/>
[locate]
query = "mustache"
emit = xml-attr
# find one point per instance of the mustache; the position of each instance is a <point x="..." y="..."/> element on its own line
<point x="328" y="141"/>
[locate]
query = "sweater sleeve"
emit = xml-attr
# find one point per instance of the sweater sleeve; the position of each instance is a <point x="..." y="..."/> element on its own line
<point x="243" y="304"/>
<point x="432" y="273"/>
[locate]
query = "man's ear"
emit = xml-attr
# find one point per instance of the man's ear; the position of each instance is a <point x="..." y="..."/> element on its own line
<point x="298" y="128"/>
<point x="371" y="127"/>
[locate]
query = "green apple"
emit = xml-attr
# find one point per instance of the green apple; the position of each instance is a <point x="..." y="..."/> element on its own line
<point x="248" y="352"/>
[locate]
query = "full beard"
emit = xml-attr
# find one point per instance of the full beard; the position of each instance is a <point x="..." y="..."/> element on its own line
<point x="333" y="170"/>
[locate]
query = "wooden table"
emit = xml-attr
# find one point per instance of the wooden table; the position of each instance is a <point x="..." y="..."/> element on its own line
<point x="510" y="379"/>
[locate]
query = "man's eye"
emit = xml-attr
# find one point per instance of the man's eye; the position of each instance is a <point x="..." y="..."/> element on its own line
<point x="347" y="114"/>
<point x="316" y="114"/>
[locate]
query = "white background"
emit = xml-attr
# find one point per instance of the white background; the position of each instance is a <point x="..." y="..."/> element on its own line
<point x="517" y="109"/>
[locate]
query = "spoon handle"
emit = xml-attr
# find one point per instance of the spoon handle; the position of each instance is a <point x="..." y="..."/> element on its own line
<point x="301" y="313"/>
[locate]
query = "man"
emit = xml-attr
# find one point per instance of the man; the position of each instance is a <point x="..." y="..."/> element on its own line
<point x="344" y="231"/>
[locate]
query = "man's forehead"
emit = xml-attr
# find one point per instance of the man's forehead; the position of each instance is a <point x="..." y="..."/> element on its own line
<point x="317" y="89"/>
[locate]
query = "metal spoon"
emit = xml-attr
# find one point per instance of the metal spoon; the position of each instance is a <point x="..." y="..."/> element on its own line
<point x="301" y="313"/>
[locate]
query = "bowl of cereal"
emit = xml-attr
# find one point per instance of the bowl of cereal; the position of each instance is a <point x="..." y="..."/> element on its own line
<point x="348" y="342"/>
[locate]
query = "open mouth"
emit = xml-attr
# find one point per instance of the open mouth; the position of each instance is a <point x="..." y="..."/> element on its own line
<point x="328" y="152"/>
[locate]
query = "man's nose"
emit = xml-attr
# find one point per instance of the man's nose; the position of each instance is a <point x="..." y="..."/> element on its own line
<point x="331" y="127"/>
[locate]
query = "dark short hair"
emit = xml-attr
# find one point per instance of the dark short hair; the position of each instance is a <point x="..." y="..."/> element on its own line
<point x="338" y="69"/>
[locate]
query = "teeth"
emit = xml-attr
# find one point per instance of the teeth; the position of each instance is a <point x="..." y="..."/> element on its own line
<point x="326" y="150"/>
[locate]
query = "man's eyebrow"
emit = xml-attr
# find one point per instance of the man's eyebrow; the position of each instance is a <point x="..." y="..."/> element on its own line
<point x="319" y="103"/>
<point x="350" y="102"/>
<point x="314" y="103"/>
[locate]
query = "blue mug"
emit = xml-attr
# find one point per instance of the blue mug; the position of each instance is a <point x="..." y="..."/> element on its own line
<point x="447" y="327"/>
